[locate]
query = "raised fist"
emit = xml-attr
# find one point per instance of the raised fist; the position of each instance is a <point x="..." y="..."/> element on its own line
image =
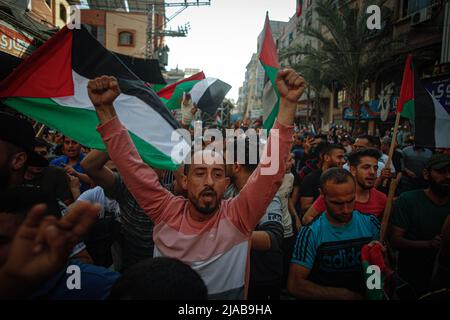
<point x="290" y="85"/>
<point x="103" y="90"/>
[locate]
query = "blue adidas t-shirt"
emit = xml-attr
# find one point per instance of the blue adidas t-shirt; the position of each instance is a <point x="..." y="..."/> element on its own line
<point x="333" y="254"/>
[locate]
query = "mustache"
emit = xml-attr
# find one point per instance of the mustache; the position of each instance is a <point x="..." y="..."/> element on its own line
<point x="208" y="190"/>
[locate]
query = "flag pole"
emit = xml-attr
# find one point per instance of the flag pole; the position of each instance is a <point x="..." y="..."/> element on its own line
<point x="388" y="208"/>
<point x="41" y="130"/>
<point x="392" y="147"/>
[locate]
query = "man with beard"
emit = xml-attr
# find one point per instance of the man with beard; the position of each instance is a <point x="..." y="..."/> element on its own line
<point x="203" y="231"/>
<point x="71" y="162"/>
<point x="363" y="166"/>
<point x="332" y="155"/>
<point x="417" y="221"/>
<point x="326" y="262"/>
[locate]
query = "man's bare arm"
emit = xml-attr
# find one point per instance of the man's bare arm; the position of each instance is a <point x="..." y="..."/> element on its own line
<point x="94" y="165"/>
<point x="301" y="288"/>
<point x="309" y="216"/>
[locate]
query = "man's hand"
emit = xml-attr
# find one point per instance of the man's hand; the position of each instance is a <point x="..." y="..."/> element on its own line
<point x="103" y="90"/>
<point x="42" y="245"/>
<point x="74" y="182"/>
<point x="435" y="243"/>
<point x="188" y="109"/>
<point x="290" y="85"/>
<point x="386" y="174"/>
<point x="71" y="171"/>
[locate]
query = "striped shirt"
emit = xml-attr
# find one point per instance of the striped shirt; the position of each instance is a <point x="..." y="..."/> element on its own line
<point x="218" y="248"/>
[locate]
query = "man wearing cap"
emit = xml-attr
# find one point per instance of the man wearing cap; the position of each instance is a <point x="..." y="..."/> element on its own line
<point x="417" y="222"/>
<point x="16" y="150"/>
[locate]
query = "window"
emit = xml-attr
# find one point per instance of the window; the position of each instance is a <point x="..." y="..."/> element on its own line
<point x="49" y="3"/>
<point x="410" y="7"/>
<point x="62" y="12"/>
<point x="126" y="38"/>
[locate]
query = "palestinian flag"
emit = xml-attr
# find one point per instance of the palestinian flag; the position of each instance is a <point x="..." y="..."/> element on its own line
<point x="172" y="94"/>
<point x="377" y="289"/>
<point x="431" y="120"/>
<point x="208" y="94"/>
<point x="50" y="87"/>
<point x="269" y="60"/>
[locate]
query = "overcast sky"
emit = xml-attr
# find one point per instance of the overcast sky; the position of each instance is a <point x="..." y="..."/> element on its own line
<point x="223" y="36"/>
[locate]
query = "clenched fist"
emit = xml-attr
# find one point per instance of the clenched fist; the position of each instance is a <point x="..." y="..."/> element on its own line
<point x="103" y="90"/>
<point x="290" y="85"/>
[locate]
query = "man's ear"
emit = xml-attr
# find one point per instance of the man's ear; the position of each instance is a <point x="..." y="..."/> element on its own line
<point x="19" y="160"/>
<point x="183" y="180"/>
<point x="352" y="170"/>
<point x="227" y="181"/>
<point x="236" y="167"/>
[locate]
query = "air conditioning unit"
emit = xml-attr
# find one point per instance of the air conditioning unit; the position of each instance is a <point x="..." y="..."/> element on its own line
<point x="421" y="16"/>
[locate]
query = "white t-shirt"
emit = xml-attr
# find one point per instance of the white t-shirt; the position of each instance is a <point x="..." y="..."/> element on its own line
<point x="284" y="193"/>
<point x="97" y="195"/>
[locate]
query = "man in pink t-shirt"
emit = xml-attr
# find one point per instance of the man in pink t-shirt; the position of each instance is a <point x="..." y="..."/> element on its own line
<point x="363" y="165"/>
<point x="208" y="233"/>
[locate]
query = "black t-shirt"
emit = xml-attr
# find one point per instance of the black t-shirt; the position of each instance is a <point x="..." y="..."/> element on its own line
<point x="310" y="185"/>
<point x="53" y="181"/>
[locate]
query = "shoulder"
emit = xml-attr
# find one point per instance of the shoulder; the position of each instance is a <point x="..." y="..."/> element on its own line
<point x="317" y="223"/>
<point x="369" y="219"/>
<point x="378" y="195"/>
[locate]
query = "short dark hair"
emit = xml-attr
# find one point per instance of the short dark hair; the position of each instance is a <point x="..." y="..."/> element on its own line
<point x="330" y="147"/>
<point x="159" y="278"/>
<point x="249" y="145"/>
<point x="336" y="176"/>
<point x="354" y="158"/>
<point x="373" y="141"/>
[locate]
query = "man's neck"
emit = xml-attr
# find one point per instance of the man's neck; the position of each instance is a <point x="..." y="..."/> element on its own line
<point x="335" y="222"/>
<point x="198" y="216"/>
<point x="73" y="161"/>
<point x="436" y="199"/>
<point x="362" y="195"/>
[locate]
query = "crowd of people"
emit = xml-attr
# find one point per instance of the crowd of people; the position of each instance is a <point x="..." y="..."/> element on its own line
<point x="215" y="230"/>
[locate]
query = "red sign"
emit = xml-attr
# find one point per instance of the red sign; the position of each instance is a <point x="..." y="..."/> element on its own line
<point x="15" y="43"/>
